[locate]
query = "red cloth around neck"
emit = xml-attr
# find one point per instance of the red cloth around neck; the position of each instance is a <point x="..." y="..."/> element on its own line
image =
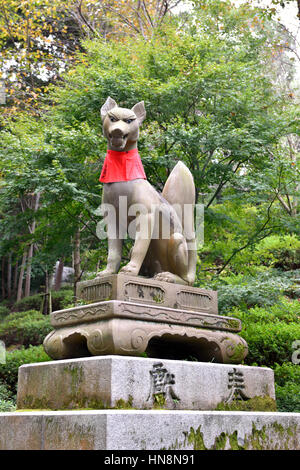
<point x="122" y="166"/>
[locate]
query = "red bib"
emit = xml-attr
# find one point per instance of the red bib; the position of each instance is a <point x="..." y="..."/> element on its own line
<point x="122" y="166"/>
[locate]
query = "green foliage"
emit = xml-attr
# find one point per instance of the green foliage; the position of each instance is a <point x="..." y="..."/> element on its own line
<point x="60" y="300"/>
<point x="7" y="401"/>
<point x="270" y="332"/>
<point x="5" y="393"/>
<point x="7" y="406"/>
<point x="287" y="380"/>
<point x="14" y="359"/>
<point x="33" y="302"/>
<point x="25" y="328"/>
<point x="4" y="311"/>
<point x="279" y="251"/>
<point x="263" y="289"/>
<point x="210" y="99"/>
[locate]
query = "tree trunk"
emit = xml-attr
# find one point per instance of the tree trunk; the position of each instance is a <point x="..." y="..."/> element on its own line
<point x="77" y="270"/>
<point x="15" y="283"/>
<point x="9" y="289"/>
<point x="59" y="273"/>
<point x="32" y="204"/>
<point x="28" y="272"/>
<point x="3" y="278"/>
<point x="21" y="275"/>
<point x="47" y="302"/>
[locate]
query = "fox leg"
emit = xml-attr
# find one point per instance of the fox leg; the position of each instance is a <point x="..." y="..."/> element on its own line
<point x="141" y="244"/>
<point x="113" y="258"/>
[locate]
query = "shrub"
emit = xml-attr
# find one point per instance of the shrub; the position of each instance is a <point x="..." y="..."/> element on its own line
<point x="4" y="311"/>
<point x="60" y="300"/>
<point x="288" y="397"/>
<point x="279" y="251"/>
<point x="270" y="332"/>
<point x="14" y="359"/>
<point x="263" y="290"/>
<point x="33" y="302"/>
<point x="5" y="393"/>
<point x="7" y="406"/>
<point x="26" y="328"/>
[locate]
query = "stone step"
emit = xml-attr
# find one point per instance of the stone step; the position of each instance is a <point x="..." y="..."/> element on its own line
<point x="149" y="430"/>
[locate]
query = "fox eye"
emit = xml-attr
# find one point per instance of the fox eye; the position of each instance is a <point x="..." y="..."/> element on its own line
<point x="113" y="119"/>
<point x="128" y="121"/>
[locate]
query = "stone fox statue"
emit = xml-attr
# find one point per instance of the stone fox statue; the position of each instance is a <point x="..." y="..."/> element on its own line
<point x="170" y="257"/>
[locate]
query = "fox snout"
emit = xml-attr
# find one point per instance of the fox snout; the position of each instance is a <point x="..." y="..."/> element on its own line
<point x="118" y="132"/>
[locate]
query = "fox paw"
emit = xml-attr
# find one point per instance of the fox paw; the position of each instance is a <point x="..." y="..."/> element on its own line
<point x="130" y="268"/>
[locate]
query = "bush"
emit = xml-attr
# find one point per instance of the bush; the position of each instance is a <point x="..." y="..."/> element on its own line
<point x="33" y="302"/>
<point x="26" y="328"/>
<point x="270" y="332"/>
<point x="14" y="359"/>
<point x="262" y="290"/>
<point x="287" y="372"/>
<point x="7" y="406"/>
<point x="279" y="251"/>
<point x="7" y="400"/>
<point x="60" y="300"/>
<point x="5" y="393"/>
<point x="4" y="311"/>
<point x="288" y="397"/>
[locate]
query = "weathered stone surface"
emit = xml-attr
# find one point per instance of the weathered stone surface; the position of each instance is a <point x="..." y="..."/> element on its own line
<point x="137" y="315"/>
<point x="113" y="381"/>
<point x="18" y="431"/>
<point x="149" y="291"/>
<point x="132" y="337"/>
<point x="135" y="311"/>
<point x="149" y="430"/>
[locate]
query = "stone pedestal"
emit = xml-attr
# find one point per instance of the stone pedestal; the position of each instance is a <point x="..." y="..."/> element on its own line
<point x="117" y="401"/>
<point x="135" y="316"/>
<point x="139" y="383"/>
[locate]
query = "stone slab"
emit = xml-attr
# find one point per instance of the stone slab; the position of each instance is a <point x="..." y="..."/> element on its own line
<point x="141" y="383"/>
<point x="144" y="290"/>
<point x="149" y="430"/>
<point x="105" y="310"/>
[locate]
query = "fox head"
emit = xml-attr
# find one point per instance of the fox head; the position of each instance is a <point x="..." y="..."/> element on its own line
<point x="121" y="125"/>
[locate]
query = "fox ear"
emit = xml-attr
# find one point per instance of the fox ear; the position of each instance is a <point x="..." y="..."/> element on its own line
<point x="108" y="105"/>
<point x="140" y="111"/>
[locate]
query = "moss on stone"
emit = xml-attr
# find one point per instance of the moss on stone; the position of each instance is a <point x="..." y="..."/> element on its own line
<point x="124" y="405"/>
<point x="257" y="403"/>
<point x="234" y="324"/>
<point x="77" y="375"/>
<point x="195" y="438"/>
<point x="220" y="441"/>
<point x="159" y="401"/>
<point x="74" y="402"/>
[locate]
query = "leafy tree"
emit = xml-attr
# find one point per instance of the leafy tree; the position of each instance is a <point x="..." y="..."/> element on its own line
<point x="211" y="102"/>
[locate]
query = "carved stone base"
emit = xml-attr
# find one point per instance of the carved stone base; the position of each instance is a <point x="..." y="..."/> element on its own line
<point x="148" y="291"/>
<point x="129" y="329"/>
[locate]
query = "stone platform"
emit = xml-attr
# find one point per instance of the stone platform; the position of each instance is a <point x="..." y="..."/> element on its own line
<point x="140" y="383"/>
<point x="134" y="316"/>
<point x="149" y="430"/>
